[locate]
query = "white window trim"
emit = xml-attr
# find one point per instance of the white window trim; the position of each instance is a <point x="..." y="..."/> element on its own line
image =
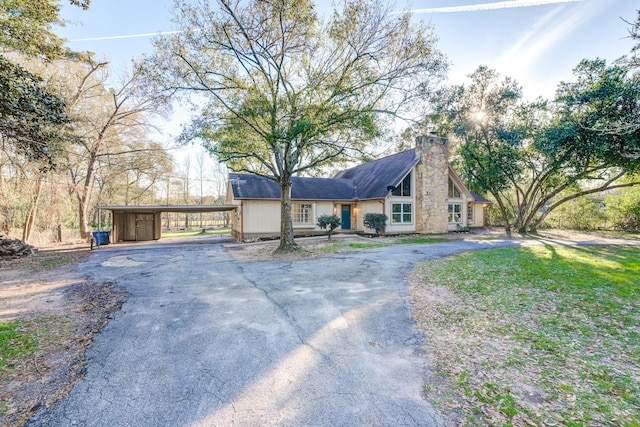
<point x="402" y="213"/>
<point x="303" y="224"/>
<point x="451" y="214"/>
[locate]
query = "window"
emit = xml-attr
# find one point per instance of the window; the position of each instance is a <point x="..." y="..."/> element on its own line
<point x="455" y="213"/>
<point x="470" y="213"/>
<point x="302" y="213"/>
<point x="404" y="189"/>
<point x="453" y="190"/>
<point x="401" y="213"/>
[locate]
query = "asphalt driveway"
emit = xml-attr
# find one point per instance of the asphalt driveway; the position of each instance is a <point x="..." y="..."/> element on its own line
<point x="205" y="340"/>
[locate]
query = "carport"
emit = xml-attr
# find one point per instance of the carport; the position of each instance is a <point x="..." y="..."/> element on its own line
<point x="142" y="223"/>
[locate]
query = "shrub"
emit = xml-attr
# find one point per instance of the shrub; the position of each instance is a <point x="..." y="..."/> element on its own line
<point x="328" y="222"/>
<point x="376" y="221"/>
<point x="623" y="209"/>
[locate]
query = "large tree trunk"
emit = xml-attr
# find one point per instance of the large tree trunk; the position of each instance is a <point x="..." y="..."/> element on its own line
<point x="85" y="196"/>
<point x="504" y="213"/>
<point x="83" y="207"/>
<point x="31" y="216"/>
<point x="287" y="242"/>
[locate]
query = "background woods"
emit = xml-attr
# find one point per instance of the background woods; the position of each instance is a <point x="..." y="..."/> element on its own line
<point x="278" y="89"/>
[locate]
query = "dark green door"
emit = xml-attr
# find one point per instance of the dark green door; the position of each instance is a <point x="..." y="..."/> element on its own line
<point x="346" y="217"/>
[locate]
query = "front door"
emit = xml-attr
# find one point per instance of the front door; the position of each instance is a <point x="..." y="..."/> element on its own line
<point x="346" y="217"/>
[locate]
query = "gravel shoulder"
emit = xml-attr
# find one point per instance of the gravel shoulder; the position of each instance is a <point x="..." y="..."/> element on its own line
<point x="63" y="311"/>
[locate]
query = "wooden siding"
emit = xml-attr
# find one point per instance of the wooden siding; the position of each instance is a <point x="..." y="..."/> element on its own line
<point x="136" y="227"/>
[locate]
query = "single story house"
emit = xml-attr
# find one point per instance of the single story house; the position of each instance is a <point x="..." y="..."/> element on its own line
<point x="417" y="189"/>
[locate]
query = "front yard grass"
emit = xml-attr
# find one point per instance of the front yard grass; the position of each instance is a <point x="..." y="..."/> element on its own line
<point x="544" y="335"/>
<point x="336" y="245"/>
<point x="14" y="342"/>
<point x="194" y="232"/>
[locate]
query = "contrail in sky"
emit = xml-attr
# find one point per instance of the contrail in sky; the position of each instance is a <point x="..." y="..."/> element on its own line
<point x="129" y="36"/>
<point x="466" y="8"/>
<point x="492" y="6"/>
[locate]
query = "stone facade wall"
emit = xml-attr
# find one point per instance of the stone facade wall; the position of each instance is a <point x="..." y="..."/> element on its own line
<point x="432" y="184"/>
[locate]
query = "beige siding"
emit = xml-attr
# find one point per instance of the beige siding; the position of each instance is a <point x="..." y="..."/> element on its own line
<point x="478" y="215"/>
<point x="365" y="207"/>
<point x="261" y="216"/>
<point x="323" y="208"/>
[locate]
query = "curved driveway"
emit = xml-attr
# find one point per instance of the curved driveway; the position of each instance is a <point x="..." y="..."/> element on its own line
<point x="206" y="340"/>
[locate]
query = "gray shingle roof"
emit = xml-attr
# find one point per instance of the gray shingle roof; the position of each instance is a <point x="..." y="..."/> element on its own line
<point x="373" y="178"/>
<point x="366" y="181"/>
<point x="248" y="186"/>
<point x="478" y="198"/>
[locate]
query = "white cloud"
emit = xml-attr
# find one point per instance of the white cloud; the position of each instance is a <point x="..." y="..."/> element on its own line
<point x="492" y="6"/>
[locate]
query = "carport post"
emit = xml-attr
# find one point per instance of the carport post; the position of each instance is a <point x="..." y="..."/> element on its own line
<point x="99" y="230"/>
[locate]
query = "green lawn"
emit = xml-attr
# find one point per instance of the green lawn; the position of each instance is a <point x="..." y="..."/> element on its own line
<point x="545" y="335"/>
<point x="14" y="342"/>
<point x="337" y="246"/>
<point x="194" y="232"/>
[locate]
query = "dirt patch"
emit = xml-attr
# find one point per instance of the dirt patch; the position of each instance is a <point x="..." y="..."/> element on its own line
<point x="308" y="247"/>
<point x="62" y="311"/>
<point x="320" y="245"/>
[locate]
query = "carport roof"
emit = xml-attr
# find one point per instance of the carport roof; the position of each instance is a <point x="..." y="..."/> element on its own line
<point x="169" y="208"/>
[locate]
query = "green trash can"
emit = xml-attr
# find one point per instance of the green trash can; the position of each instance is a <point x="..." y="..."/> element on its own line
<point x="101" y="237"/>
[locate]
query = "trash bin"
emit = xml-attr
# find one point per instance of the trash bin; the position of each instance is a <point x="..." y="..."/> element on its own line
<point x="101" y="237"/>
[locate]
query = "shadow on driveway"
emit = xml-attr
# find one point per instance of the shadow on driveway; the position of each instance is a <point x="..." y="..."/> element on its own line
<point x="205" y="340"/>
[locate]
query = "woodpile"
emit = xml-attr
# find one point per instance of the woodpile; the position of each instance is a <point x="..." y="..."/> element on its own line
<point x="14" y="248"/>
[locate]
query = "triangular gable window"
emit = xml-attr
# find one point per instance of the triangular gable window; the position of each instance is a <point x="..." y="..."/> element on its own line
<point x="453" y="190"/>
<point x="404" y="189"/>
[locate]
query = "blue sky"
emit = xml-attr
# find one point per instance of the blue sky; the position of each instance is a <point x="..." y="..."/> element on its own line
<point x="538" y="42"/>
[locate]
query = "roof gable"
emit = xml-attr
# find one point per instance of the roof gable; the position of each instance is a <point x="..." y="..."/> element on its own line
<point x="372" y="179"/>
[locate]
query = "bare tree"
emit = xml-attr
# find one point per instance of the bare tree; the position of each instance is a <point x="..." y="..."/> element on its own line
<point x="106" y="120"/>
<point x="287" y="92"/>
<point x="200" y="158"/>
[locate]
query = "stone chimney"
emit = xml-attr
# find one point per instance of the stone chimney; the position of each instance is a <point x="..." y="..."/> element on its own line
<point x="432" y="184"/>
